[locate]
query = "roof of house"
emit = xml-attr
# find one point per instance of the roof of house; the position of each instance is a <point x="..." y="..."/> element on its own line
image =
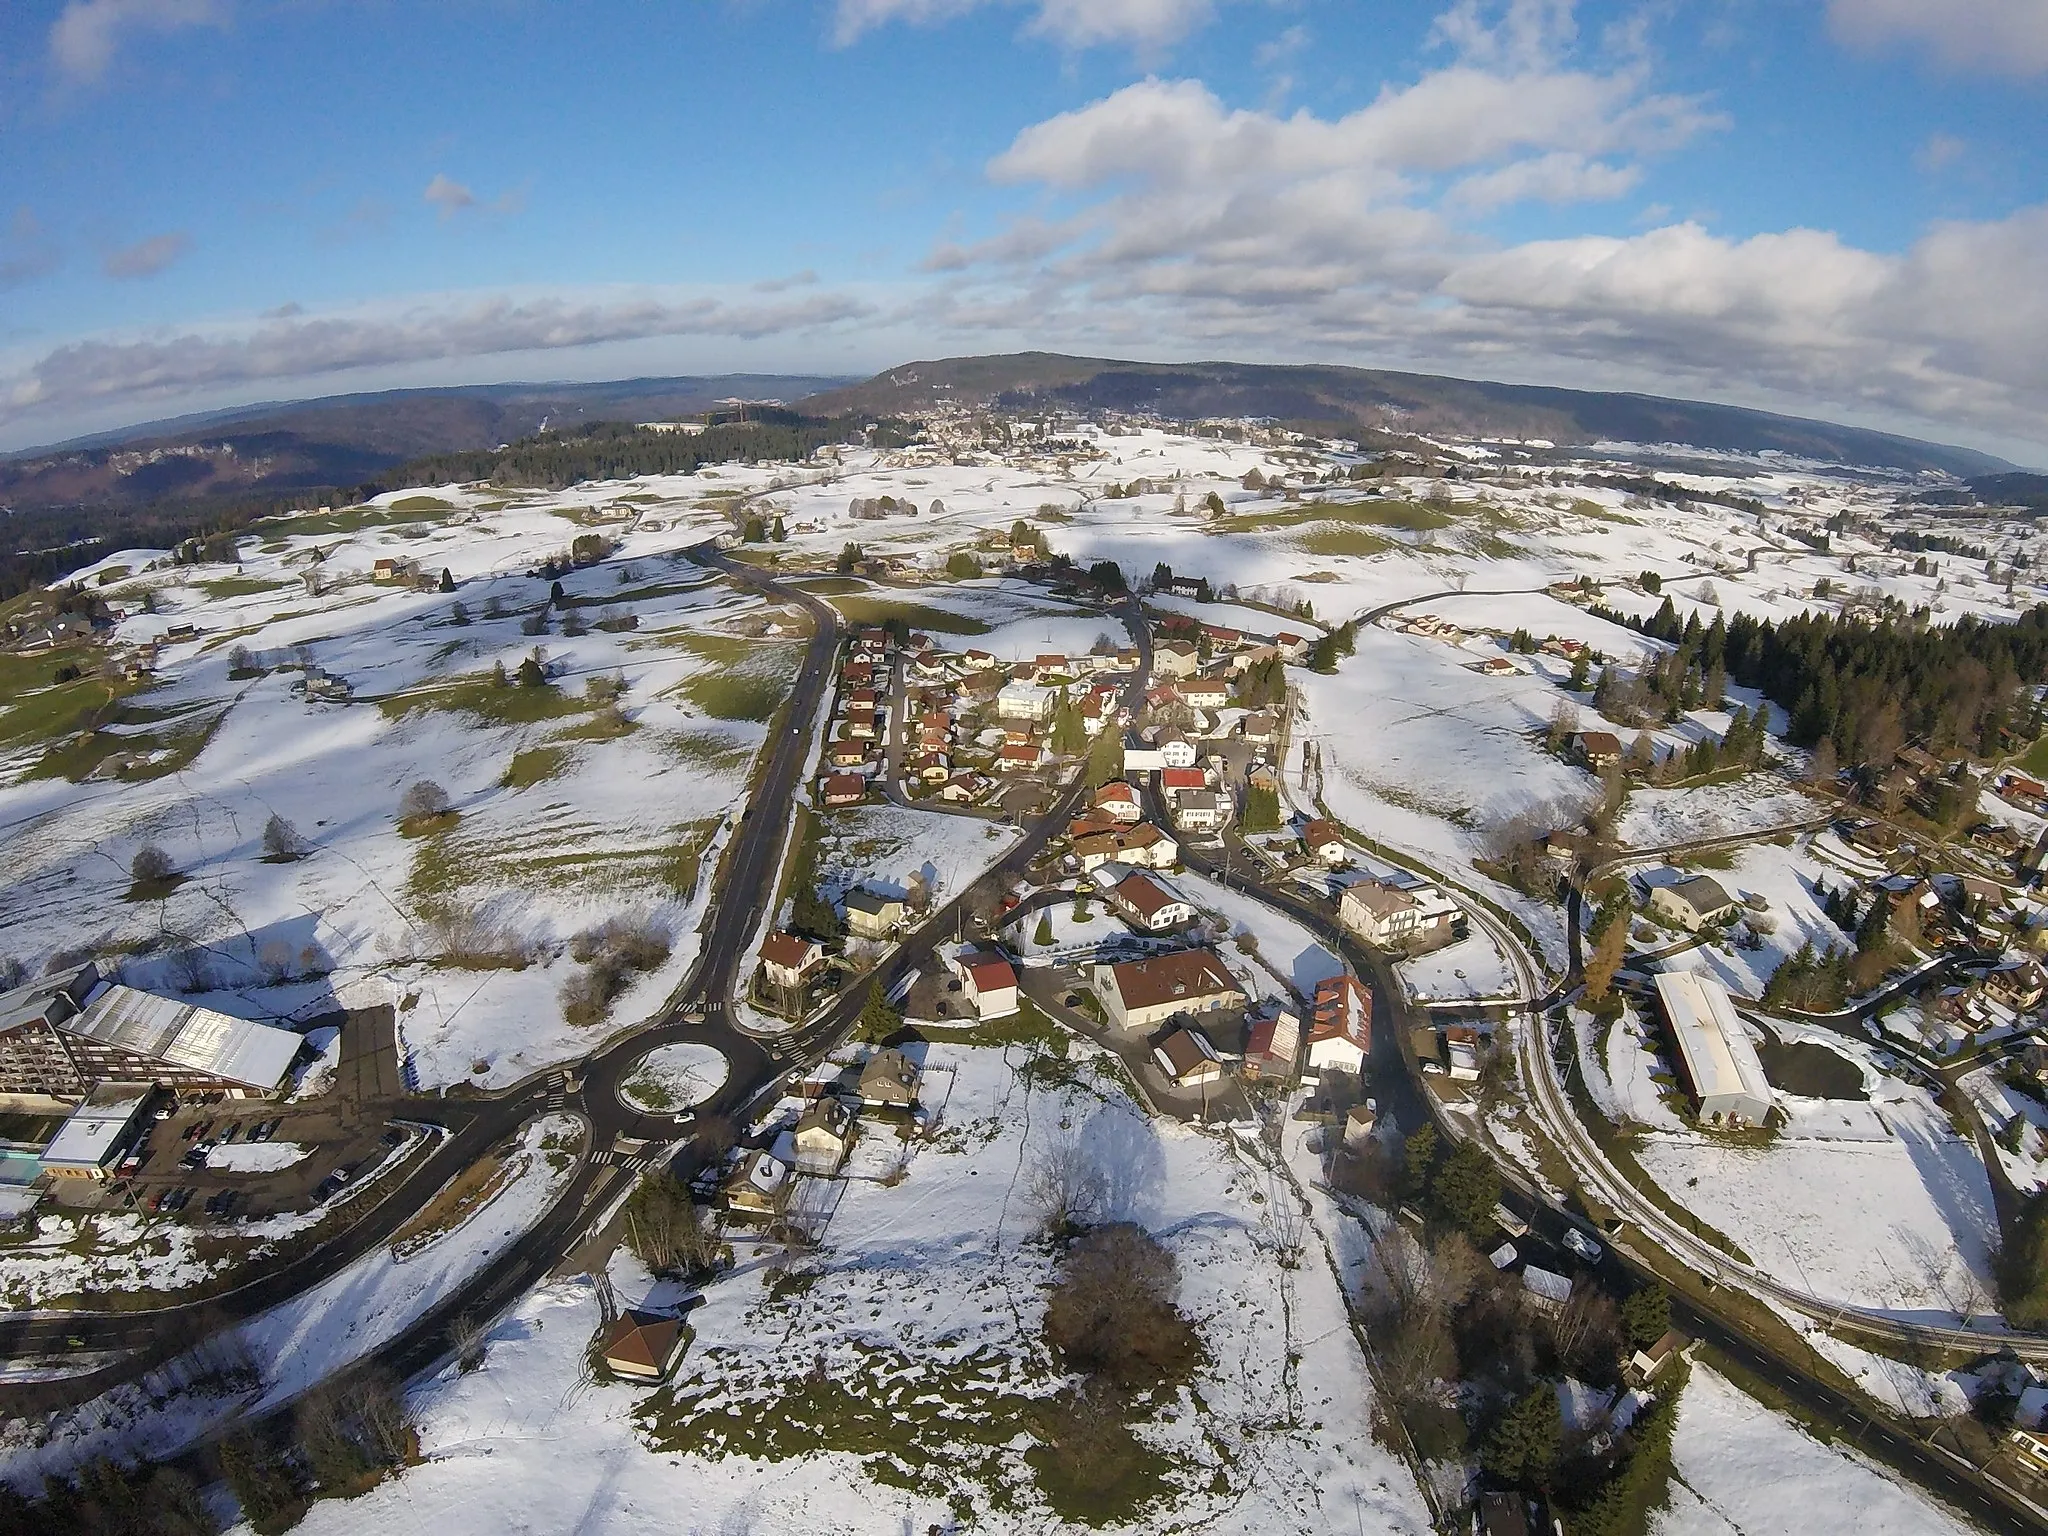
<point x="234" y="1050"/>
<point x="888" y="1066"/>
<point x="828" y="1115"/>
<point x="990" y="973"/>
<point x="1146" y="896"/>
<point x="1188" y="974"/>
<point x="1185" y="1051"/>
<point x="1183" y="778"/>
<point x="643" y="1340"/>
<point x="861" y="899"/>
<point x="1320" y="833"/>
<point x="1116" y="790"/>
<point x="1702" y="893"/>
<point x="1599" y="743"/>
<point x="1342" y="1010"/>
<point x="845" y="784"/>
<point x="789" y="951"/>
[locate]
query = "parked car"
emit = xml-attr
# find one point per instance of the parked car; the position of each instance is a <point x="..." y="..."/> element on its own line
<point x="197" y="1129"/>
<point x="391" y="1138"/>
<point x="1582" y="1245"/>
<point x="228" y="1134"/>
<point x="265" y="1130"/>
<point x="223" y="1202"/>
<point x="178" y="1199"/>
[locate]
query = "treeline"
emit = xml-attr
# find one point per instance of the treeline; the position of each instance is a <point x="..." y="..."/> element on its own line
<point x="617" y="450"/>
<point x="1911" y="543"/>
<point x="1664" y="490"/>
<point x="1866" y="689"/>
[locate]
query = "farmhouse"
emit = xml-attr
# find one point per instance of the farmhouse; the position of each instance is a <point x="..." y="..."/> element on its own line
<point x="1324" y="842"/>
<point x="1151" y="906"/>
<point x="757" y="1185"/>
<point x="1141" y="994"/>
<point x="1599" y="750"/>
<point x="823" y="1135"/>
<point x="1692" y="903"/>
<point x="1714" y="1056"/>
<point x="1119" y="801"/>
<point x="888" y="1080"/>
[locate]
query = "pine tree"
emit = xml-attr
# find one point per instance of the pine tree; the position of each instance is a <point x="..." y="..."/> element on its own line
<point x="1261" y="809"/>
<point x="1106" y="757"/>
<point x="1042" y="936"/>
<point x="878" y="1021"/>
<point x="1647" y="1315"/>
<point x="1523" y="1447"/>
<point x="776" y="532"/>
<point x="447" y="579"/>
<point x="1610" y="947"/>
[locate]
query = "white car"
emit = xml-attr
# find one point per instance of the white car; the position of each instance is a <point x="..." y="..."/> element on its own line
<point x="1582" y="1245"/>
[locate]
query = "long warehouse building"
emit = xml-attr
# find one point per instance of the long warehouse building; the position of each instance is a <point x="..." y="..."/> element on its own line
<point x="1714" y="1053"/>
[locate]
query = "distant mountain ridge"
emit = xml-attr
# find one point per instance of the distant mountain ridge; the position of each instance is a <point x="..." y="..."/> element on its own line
<point x="345" y="440"/>
<point x="1375" y="400"/>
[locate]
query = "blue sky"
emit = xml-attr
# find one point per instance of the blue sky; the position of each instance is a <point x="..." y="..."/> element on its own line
<point x="1838" y="208"/>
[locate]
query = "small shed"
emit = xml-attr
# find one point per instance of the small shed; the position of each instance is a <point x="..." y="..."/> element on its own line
<point x="644" y="1347"/>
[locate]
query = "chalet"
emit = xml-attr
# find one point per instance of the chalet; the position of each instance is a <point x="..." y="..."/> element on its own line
<point x="1144" y="845"/>
<point x="864" y="699"/>
<point x="1692" y="903"/>
<point x="1221" y="638"/>
<point x="857" y="674"/>
<point x="823" y="1136"/>
<point x="1324" y="842"/>
<point x="862" y="724"/>
<point x="178" y="633"/>
<point x="1647" y="1364"/>
<point x="1405" y="916"/>
<point x="1272" y="1043"/>
<point x="1205" y="693"/>
<point x="1174" y="782"/>
<point x="849" y="752"/>
<point x="2020" y="985"/>
<point x="1175" y="750"/>
<point x="326" y="688"/>
<point x="1599" y="750"/>
<point x="888" y="1080"/>
<point x="928" y="768"/>
<point x="1046" y="669"/>
<point x="1187" y="1059"/>
<point x="872" y="914"/>
<point x="788" y="960"/>
<point x="842" y="789"/>
<point x="990" y="983"/>
<point x="1020" y="757"/>
<point x="644" y="1347"/>
<point x="1200" y="810"/>
<point x="1259" y="728"/>
<point x="1142" y="994"/>
<point x="1497" y="666"/>
<point x="1150" y="906"/>
<point x="1291" y="647"/>
<point x="978" y="661"/>
<point x="965" y="788"/>
<point x="388" y="569"/>
<point x="757" y="1186"/>
<point x="1120" y="801"/>
<point x="1340" y="1024"/>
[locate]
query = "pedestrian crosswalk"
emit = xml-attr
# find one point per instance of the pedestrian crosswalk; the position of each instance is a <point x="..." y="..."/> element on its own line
<point x="641" y="1162"/>
<point x="558" y="1090"/>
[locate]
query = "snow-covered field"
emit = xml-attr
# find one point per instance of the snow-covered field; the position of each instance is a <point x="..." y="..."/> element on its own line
<point x="1744" y="1471"/>
<point x="1904" y="1223"/>
<point x="925" y="1301"/>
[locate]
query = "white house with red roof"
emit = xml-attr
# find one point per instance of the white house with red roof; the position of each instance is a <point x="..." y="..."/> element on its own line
<point x="989" y="982"/>
<point x="1340" y="1024"/>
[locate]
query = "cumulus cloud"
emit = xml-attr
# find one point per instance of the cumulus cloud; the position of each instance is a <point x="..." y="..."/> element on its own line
<point x="148" y="257"/>
<point x="1147" y="24"/>
<point x="295" y="346"/>
<point x="1161" y="216"/>
<point x="448" y="195"/>
<point x="87" y="33"/>
<point x="2008" y="37"/>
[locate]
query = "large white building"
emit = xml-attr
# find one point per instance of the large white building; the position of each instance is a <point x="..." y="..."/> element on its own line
<point x="1390" y="915"/>
<point x="1022" y="701"/>
<point x="1715" y="1056"/>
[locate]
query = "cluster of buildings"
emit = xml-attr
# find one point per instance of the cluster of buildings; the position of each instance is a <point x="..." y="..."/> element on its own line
<point x="816" y="1138"/>
<point x="93" y="1057"/>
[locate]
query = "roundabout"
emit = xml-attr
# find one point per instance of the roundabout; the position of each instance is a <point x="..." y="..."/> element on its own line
<point x="672" y="1079"/>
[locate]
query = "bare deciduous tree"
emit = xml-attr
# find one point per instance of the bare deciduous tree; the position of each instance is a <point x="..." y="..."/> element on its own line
<point x="151" y="865"/>
<point x="281" y="840"/>
<point x="422" y="799"/>
<point x="1066" y="1189"/>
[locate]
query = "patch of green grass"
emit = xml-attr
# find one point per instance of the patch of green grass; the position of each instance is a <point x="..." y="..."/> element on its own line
<point x="832" y="586"/>
<point x="480" y="696"/>
<point x="422" y="504"/>
<point x="1598" y="513"/>
<point x="347" y="520"/>
<point x="533" y="765"/>
<point x="713" y="749"/>
<point x="1408" y="516"/>
<point x="237" y="586"/>
<point x="604" y="725"/>
<point x="685" y="862"/>
<point x="429" y="826"/>
<point x="875" y="610"/>
<point x="1329" y="540"/>
<point x="751" y="680"/>
<point x="2036" y="761"/>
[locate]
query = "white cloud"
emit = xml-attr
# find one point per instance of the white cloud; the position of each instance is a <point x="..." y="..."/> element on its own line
<point x="289" y="345"/>
<point x="148" y="257"/>
<point x="447" y="195"/>
<point x="1145" y="24"/>
<point x="2007" y="37"/>
<point x="1164" y="218"/>
<point x="1941" y="151"/>
<point x="87" y="33"/>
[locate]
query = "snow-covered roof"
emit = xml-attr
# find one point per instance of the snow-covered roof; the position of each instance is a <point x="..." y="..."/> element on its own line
<point x="1718" y="1055"/>
<point x="185" y="1035"/>
<point x="89" y="1138"/>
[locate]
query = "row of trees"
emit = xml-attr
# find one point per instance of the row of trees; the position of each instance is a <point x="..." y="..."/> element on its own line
<point x="617" y="450"/>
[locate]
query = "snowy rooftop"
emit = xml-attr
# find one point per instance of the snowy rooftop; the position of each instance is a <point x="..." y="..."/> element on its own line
<point x="235" y="1050"/>
<point x="1718" y="1055"/>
